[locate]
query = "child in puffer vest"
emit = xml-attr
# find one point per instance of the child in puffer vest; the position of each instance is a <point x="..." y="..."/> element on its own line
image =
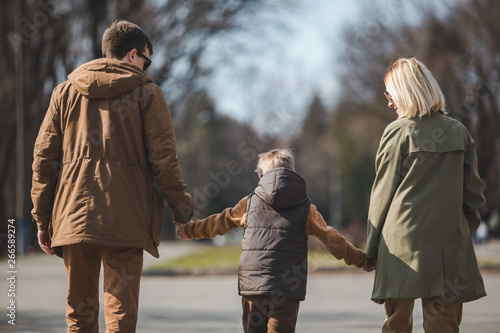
<point x="277" y="219"/>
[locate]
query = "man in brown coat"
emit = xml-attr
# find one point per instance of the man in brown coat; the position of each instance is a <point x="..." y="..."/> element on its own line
<point x="106" y="137"/>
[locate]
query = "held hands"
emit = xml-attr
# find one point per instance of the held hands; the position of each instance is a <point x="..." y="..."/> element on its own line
<point x="181" y="229"/>
<point x="370" y="265"/>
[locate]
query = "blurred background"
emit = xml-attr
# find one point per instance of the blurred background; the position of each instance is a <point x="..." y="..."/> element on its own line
<point x="245" y="76"/>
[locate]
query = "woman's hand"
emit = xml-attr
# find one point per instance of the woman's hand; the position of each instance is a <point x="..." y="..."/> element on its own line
<point x="371" y="265"/>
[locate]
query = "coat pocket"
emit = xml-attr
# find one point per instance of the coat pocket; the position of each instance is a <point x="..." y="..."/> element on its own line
<point x="157" y="217"/>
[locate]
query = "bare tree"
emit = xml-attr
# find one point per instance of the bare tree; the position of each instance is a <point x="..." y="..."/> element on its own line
<point x="56" y="36"/>
<point x="461" y="49"/>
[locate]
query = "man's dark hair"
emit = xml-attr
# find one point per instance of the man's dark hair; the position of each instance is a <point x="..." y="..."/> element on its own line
<point x="121" y="37"/>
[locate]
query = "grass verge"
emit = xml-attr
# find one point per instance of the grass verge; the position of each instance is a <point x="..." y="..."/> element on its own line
<point x="224" y="260"/>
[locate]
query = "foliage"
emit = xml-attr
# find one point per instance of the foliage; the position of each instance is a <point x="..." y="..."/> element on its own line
<point x="314" y="164"/>
<point x="57" y="36"/>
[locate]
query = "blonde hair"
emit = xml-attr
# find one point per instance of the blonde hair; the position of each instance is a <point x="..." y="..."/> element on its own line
<point x="413" y="88"/>
<point x="276" y="158"/>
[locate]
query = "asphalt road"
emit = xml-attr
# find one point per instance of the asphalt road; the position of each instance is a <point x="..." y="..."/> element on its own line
<point x="335" y="302"/>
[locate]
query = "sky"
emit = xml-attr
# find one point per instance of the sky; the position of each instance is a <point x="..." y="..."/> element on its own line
<point x="278" y="64"/>
<point x="288" y="54"/>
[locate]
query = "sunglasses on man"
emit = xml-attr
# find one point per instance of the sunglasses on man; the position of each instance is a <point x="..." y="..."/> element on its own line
<point x="148" y="61"/>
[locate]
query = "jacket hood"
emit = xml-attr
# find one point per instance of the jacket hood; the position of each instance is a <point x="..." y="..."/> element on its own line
<point x="107" y="78"/>
<point x="282" y="188"/>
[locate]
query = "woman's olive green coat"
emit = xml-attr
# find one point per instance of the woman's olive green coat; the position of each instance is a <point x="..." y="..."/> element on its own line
<point x="424" y="210"/>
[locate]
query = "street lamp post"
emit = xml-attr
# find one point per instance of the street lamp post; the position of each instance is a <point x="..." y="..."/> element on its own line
<point x="19" y="209"/>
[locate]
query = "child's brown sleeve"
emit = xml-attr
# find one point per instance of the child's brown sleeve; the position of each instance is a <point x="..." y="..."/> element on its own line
<point x="218" y="224"/>
<point x="334" y="242"/>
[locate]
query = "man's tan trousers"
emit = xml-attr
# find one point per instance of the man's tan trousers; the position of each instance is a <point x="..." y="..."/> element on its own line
<point x="439" y="316"/>
<point x="122" y="273"/>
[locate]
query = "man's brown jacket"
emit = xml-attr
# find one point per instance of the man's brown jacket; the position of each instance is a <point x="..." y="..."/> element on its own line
<point x="106" y="136"/>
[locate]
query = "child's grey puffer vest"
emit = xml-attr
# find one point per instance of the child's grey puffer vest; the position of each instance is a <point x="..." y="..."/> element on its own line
<point x="274" y="249"/>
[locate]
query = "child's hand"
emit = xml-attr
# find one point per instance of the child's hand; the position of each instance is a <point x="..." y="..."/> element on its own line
<point x="371" y="265"/>
<point x="181" y="229"/>
<point x="183" y="236"/>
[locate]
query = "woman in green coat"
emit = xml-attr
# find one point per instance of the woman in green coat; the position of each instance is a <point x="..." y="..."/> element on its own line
<point x="424" y="207"/>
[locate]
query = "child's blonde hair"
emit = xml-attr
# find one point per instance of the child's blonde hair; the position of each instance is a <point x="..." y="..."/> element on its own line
<point x="276" y="158"/>
<point x="413" y="88"/>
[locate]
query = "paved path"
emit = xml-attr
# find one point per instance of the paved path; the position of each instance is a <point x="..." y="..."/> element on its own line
<point x="336" y="302"/>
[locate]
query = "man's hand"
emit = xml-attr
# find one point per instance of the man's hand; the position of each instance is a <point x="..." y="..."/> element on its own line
<point x="45" y="242"/>
<point x="180" y="230"/>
